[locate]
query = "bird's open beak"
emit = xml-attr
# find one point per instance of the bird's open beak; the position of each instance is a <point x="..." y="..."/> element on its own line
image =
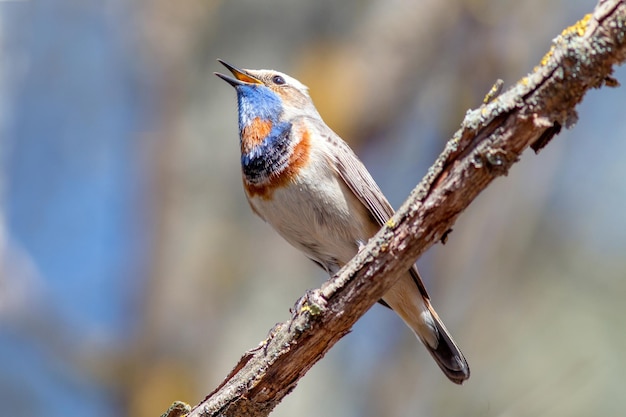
<point x="241" y="76"/>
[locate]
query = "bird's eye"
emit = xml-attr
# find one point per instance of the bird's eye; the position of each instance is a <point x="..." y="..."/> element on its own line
<point x="278" y="80"/>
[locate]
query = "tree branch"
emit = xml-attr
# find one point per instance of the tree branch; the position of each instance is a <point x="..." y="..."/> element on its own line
<point x="490" y="140"/>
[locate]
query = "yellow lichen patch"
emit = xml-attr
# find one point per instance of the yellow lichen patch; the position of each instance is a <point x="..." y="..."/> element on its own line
<point x="313" y="309"/>
<point x="547" y="57"/>
<point x="579" y="27"/>
<point x="493" y="92"/>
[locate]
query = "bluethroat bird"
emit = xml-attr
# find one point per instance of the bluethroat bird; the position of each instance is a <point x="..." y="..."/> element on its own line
<point x="306" y="182"/>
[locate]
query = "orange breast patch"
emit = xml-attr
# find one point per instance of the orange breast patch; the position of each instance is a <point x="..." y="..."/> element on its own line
<point x="254" y="133"/>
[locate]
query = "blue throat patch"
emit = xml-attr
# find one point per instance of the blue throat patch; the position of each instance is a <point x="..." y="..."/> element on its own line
<point x="257" y="101"/>
<point x="271" y="156"/>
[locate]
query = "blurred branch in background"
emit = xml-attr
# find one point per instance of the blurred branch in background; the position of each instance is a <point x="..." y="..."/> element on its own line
<point x="491" y="139"/>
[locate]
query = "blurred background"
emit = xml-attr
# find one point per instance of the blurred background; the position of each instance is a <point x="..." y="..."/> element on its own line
<point x="133" y="273"/>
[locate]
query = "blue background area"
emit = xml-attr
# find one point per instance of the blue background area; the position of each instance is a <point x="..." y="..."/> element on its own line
<point x="73" y="195"/>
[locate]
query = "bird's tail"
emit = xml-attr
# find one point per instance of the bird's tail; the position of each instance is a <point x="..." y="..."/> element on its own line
<point x="445" y="352"/>
<point x="412" y="304"/>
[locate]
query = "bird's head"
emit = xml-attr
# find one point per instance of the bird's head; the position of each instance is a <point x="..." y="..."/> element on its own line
<point x="268" y="95"/>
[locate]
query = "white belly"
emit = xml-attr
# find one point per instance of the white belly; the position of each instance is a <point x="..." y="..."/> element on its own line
<point x="319" y="215"/>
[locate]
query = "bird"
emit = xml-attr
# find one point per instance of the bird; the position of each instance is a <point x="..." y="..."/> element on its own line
<point x="309" y="185"/>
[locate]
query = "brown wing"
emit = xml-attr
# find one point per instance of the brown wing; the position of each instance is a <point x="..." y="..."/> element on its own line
<point x="360" y="181"/>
